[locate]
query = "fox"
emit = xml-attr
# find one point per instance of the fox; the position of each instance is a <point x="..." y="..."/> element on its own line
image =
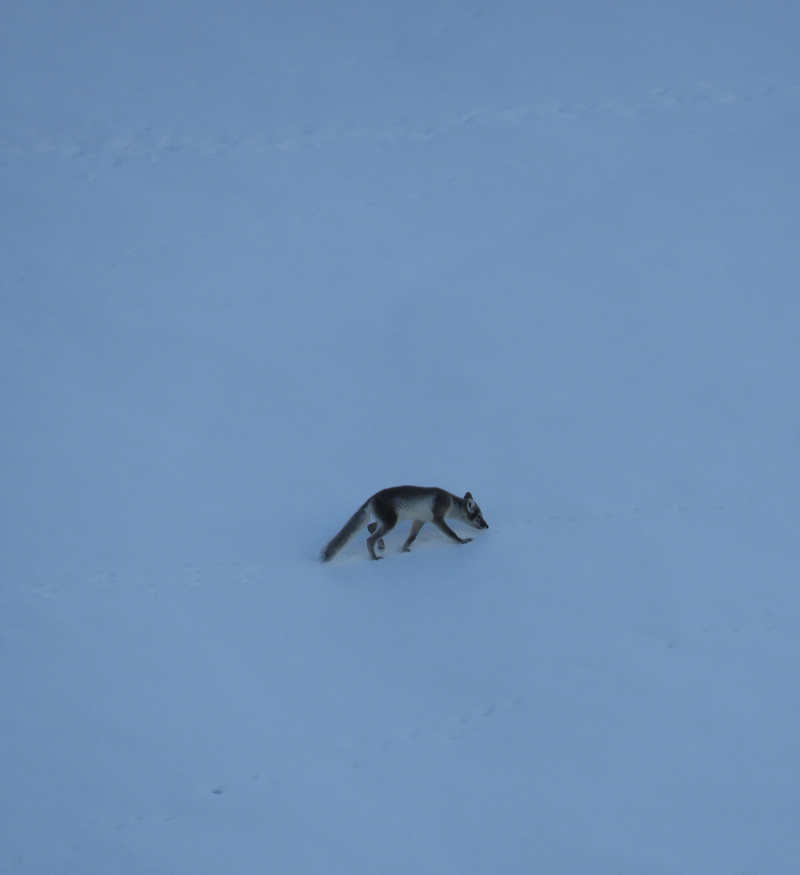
<point x="422" y="504"/>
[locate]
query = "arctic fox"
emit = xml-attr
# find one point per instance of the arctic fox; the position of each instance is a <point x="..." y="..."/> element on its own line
<point x="422" y="504"/>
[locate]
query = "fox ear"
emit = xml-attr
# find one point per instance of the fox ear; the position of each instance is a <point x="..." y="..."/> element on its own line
<point x="468" y="496"/>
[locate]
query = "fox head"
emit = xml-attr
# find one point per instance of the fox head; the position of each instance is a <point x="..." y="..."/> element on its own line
<point x="473" y="513"/>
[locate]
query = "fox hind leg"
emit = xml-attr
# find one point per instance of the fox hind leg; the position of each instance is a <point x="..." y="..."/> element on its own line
<point x="377" y="538"/>
<point x="386" y="515"/>
<point x="371" y="528"/>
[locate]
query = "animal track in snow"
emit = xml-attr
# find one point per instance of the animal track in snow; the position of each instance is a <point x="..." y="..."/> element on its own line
<point x="364" y="751"/>
<point x="149" y="145"/>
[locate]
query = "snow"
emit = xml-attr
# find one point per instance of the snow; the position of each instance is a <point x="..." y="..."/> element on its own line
<point x="262" y="260"/>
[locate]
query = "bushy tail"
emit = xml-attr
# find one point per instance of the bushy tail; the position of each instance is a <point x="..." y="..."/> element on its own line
<point x="355" y="522"/>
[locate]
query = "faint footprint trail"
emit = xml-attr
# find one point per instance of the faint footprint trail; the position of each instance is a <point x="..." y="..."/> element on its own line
<point x="151" y="145"/>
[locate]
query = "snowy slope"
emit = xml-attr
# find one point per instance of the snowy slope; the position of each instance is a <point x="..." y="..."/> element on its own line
<point x="261" y="260"/>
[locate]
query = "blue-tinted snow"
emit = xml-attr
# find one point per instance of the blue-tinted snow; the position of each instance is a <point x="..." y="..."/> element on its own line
<point x="261" y="260"/>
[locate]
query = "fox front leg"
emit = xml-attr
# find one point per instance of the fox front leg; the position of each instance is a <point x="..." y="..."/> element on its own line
<point x="443" y="527"/>
<point x="415" y="527"/>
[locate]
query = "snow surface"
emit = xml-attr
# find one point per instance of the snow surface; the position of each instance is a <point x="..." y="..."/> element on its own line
<point x="260" y="260"/>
